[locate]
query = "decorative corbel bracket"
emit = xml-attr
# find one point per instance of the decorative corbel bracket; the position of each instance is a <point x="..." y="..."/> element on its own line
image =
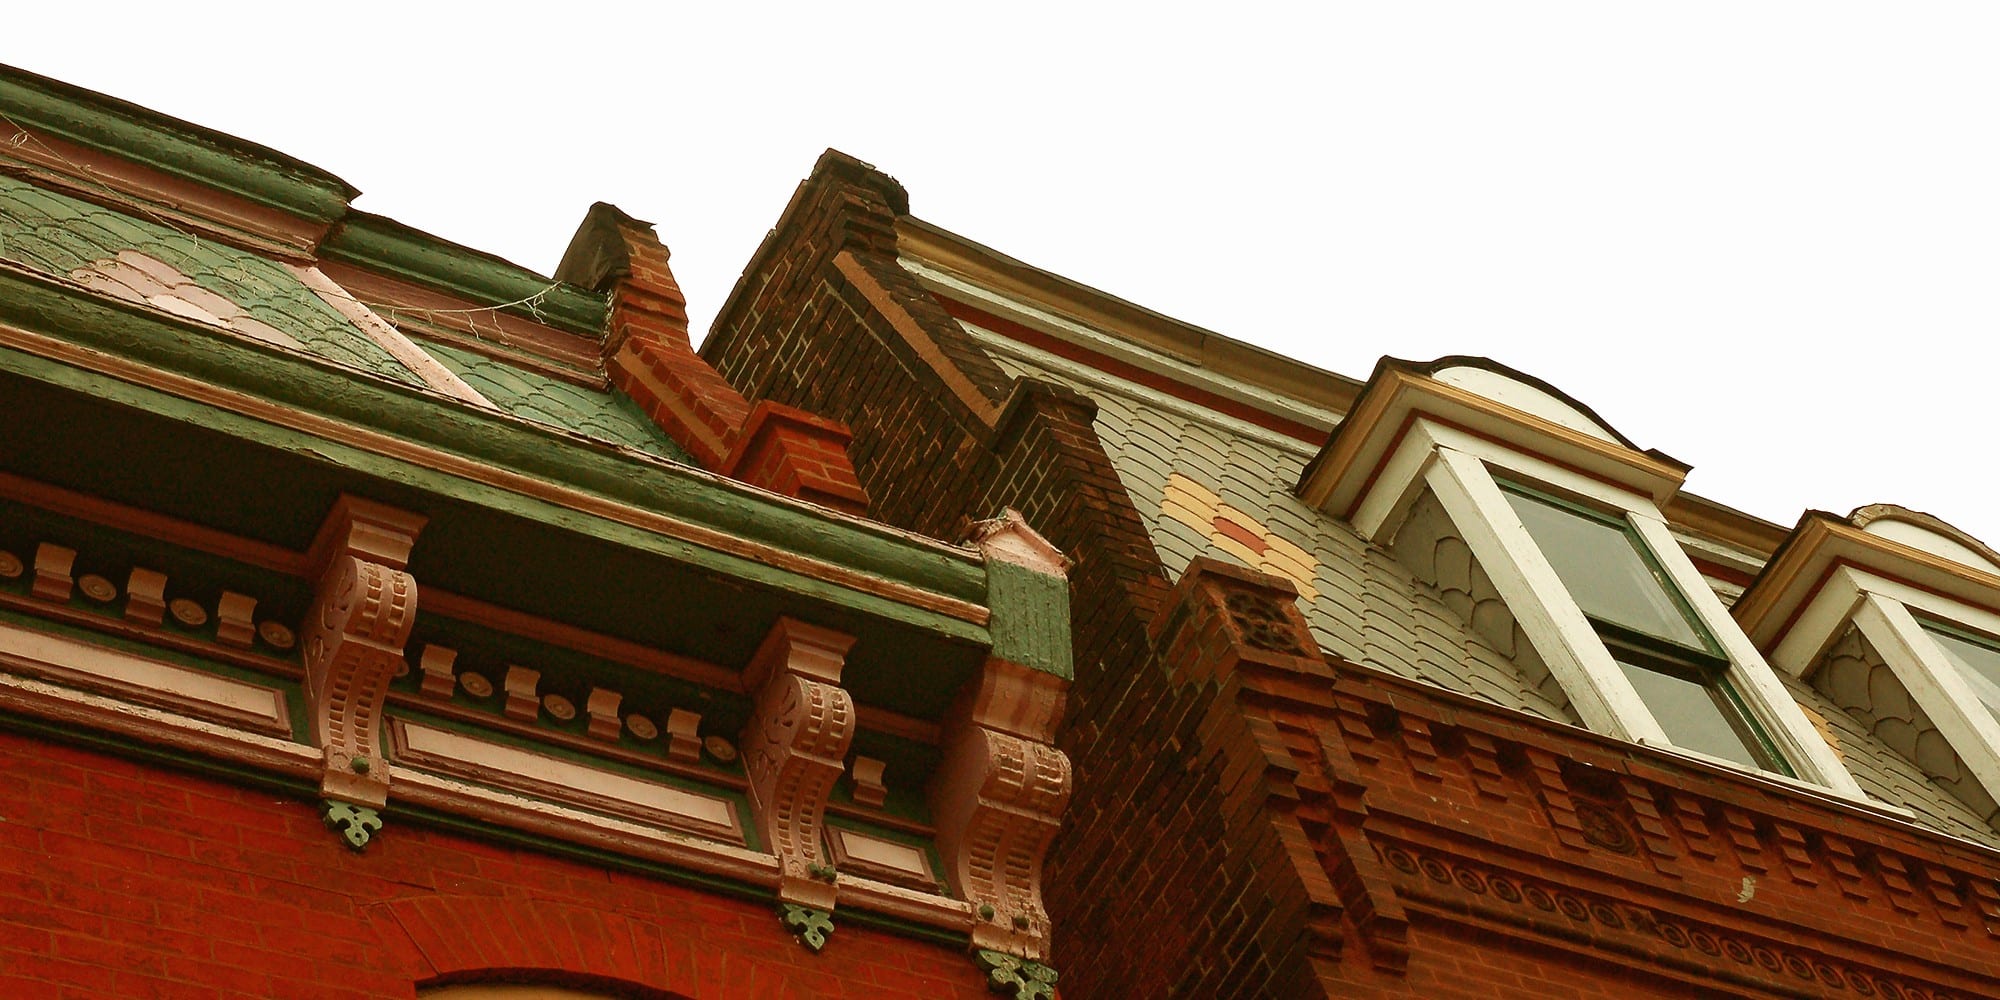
<point x="998" y="799"/>
<point x="354" y="635"/>
<point x="999" y="793"/>
<point x="795" y="749"/>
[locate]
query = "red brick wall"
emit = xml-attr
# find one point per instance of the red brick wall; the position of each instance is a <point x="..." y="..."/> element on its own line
<point x="1236" y="834"/>
<point x="121" y="879"/>
<point x="1150" y="885"/>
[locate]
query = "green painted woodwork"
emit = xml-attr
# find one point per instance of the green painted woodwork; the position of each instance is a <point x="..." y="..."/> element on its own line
<point x="667" y="489"/>
<point x="1019" y="977"/>
<point x="810" y="925"/>
<point x="173" y="146"/>
<point x="389" y="247"/>
<point x="606" y="416"/>
<point x="1030" y="617"/>
<point x="56" y="235"/>
<point x="355" y="824"/>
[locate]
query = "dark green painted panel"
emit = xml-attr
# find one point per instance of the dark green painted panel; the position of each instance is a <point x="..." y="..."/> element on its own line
<point x="1030" y="617"/>
<point x="172" y="146"/>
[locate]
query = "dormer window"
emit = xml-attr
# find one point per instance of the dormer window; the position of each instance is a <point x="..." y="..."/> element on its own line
<point x="1572" y="567"/>
<point x="1891" y="615"/>
<point x="1670" y="659"/>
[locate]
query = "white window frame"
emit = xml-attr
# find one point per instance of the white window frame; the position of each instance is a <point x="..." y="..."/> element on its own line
<point x="1881" y="608"/>
<point x="1457" y="468"/>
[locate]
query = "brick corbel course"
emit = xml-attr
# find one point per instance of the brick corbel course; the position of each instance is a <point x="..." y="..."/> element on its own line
<point x="649" y="357"/>
<point x="1242" y="631"/>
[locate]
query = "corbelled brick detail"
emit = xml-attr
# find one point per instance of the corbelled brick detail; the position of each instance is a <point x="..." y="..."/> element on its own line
<point x="1328" y="829"/>
<point x="787" y="450"/>
<point x="649" y="357"/>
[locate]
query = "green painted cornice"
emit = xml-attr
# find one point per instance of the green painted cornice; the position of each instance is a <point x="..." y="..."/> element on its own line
<point x="172" y="146"/>
<point x="389" y="247"/>
<point x="164" y="343"/>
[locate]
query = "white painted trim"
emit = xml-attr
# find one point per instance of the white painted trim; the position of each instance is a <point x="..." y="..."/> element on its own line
<point x="1770" y="704"/>
<point x="193" y="692"/>
<point x="82" y="710"/>
<point x="1817" y="625"/>
<point x="1935" y="685"/>
<point x="487" y="762"/>
<point x="1541" y="605"/>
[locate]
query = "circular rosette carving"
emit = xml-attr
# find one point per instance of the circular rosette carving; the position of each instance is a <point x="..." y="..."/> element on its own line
<point x="1263" y="623"/>
<point x="1603" y="828"/>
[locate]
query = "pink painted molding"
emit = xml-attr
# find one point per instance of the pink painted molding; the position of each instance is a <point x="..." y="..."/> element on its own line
<point x="354" y="635"/>
<point x="998" y="800"/>
<point x="795" y="749"/>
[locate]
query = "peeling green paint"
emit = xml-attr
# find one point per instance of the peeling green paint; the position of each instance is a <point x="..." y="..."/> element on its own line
<point x="409" y="414"/>
<point x="1030" y="617"/>
<point x="173" y="147"/>
<point x="606" y="416"/>
<point x="62" y="236"/>
<point x="390" y="247"/>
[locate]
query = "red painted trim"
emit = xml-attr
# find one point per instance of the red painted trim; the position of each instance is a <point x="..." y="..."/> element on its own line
<point x="1132" y="373"/>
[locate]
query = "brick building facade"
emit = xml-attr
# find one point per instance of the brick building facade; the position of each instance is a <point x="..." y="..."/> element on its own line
<point x="1426" y="685"/>
<point x="380" y="619"/>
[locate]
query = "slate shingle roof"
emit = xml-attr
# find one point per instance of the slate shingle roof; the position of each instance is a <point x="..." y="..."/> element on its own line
<point x="606" y="416"/>
<point x="143" y="261"/>
<point x="1366" y="606"/>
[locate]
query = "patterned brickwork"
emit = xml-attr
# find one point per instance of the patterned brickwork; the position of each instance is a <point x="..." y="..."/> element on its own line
<point x="1242" y="826"/>
<point x="1129" y="920"/>
<point x="121" y="879"/>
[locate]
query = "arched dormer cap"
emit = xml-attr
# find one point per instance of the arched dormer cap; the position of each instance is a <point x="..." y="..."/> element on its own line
<point x="1490" y="400"/>
<point x="1925" y="531"/>
<point x="1885" y="540"/>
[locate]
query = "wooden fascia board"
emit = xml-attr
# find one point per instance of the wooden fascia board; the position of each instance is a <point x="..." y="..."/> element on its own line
<point x="1228" y="358"/>
<point x="1822" y="544"/>
<point x="173" y="147"/>
<point x="387" y="430"/>
<point x="1346" y="470"/>
<point x="1703" y="516"/>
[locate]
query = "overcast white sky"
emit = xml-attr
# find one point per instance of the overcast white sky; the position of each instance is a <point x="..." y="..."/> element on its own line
<point x="1761" y="237"/>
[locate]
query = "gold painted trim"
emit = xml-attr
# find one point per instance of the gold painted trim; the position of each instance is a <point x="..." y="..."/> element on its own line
<point x="1820" y="545"/>
<point x="1415" y="395"/>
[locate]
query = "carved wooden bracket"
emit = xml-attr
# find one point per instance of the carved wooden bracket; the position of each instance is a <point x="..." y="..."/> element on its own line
<point x="354" y="635"/>
<point x="998" y="799"/>
<point x="795" y="749"/>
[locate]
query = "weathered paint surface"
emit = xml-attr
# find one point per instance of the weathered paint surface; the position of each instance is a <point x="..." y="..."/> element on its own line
<point x="1030" y="623"/>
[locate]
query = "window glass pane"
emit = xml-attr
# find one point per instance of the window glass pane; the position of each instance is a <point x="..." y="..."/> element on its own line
<point x="1978" y="662"/>
<point x="1605" y="571"/>
<point x="1691" y="715"/>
